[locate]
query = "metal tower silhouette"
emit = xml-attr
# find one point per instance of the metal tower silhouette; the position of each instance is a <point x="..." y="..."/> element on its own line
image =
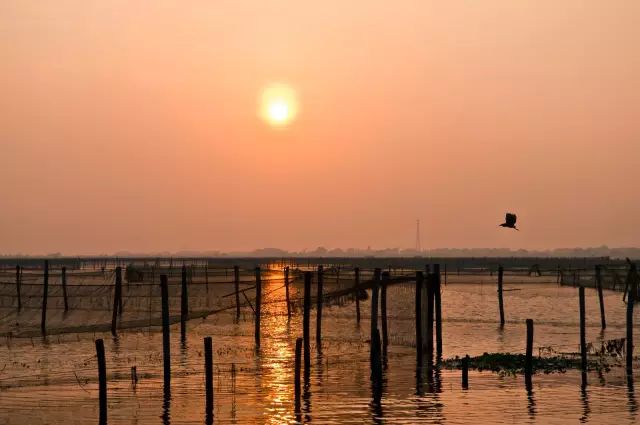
<point x="418" y="244"/>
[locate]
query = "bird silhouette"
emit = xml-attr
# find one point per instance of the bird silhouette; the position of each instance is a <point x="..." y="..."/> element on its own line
<point x="510" y="221"/>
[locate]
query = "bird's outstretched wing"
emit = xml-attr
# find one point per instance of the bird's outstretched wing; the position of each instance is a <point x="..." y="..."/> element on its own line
<point x="510" y="219"/>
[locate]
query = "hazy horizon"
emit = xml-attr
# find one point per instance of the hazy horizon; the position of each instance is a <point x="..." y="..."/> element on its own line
<point x="136" y="126"/>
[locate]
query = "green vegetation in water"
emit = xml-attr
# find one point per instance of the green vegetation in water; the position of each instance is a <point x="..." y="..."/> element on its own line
<point x="512" y="364"/>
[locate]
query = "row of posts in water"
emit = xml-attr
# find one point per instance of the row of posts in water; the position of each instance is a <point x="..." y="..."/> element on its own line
<point x="378" y="342"/>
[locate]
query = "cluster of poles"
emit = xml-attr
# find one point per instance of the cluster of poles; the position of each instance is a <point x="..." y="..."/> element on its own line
<point x="428" y="324"/>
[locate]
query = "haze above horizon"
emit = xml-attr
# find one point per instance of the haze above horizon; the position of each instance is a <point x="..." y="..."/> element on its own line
<point x="131" y="126"/>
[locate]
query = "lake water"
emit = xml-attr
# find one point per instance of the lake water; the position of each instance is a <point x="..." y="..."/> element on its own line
<point x="54" y="379"/>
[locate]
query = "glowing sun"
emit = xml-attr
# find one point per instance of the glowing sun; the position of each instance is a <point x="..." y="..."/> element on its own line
<point x="278" y="105"/>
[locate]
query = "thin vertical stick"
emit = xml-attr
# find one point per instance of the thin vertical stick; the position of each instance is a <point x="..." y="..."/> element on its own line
<point x="184" y="304"/>
<point x="286" y="289"/>
<point x="64" y="289"/>
<point x="357" y="286"/>
<point x="419" y="283"/>
<point x="18" y="287"/>
<point x="583" y="337"/>
<point x="305" y="320"/>
<point x="633" y="288"/>
<point x="445" y="274"/>
<point x="376" y="366"/>
<point x="438" y="308"/>
<point x="383" y="314"/>
<point x="116" y="301"/>
<point x="319" y="300"/>
<point x="500" y="301"/>
<point x="603" y="321"/>
<point x="297" y="386"/>
<point x="208" y="373"/>
<point x="430" y="314"/>
<point x="45" y="292"/>
<point x="258" y="305"/>
<point x="236" y="281"/>
<point x="374" y="302"/>
<point x="465" y="372"/>
<point x="166" y="339"/>
<point x="102" y="380"/>
<point x="528" y="362"/>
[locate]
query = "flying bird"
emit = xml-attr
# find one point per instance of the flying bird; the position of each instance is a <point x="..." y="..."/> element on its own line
<point x="510" y="221"/>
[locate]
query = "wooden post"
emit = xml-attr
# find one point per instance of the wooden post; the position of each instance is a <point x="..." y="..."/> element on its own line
<point x="64" y="289"/>
<point x="383" y="314"/>
<point x="45" y="292"/>
<point x="184" y="304"/>
<point x="258" y="305"/>
<point x="419" y="283"/>
<point x="102" y="380"/>
<point x="631" y="298"/>
<point x="116" y="301"/>
<point x="603" y="321"/>
<point x="376" y="366"/>
<point x="166" y="340"/>
<point x="297" y="386"/>
<point x="119" y="283"/>
<point x="500" y="302"/>
<point x="319" y="309"/>
<point x="374" y="302"/>
<point x="236" y="281"/>
<point x="18" y="287"/>
<point x="305" y="320"/>
<point x="430" y="313"/>
<point x="438" y="308"/>
<point x="583" y="338"/>
<point x="286" y="288"/>
<point x="465" y="372"/>
<point x="528" y="362"/>
<point x="445" y="274"/>
<point x="208" y="374"/>
<point x="357" y="286"/>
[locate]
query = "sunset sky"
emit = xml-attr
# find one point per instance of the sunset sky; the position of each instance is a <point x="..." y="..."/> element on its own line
<point x="137" y="125"/>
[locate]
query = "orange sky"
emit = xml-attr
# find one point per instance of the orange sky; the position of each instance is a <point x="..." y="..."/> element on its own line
<point x="132" y="125"/>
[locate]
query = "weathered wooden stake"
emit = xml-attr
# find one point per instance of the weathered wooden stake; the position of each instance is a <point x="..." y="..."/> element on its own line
<point x="208" y="373"/>
<point x="305" y="321"/>
<point x="465" y="372"/>
<point x="236" y="281"/>
<point x="445" y="274"/>
<point x="603" y="321"/>
<point x="319" y="298"/>
<point x="258" y="306"/>
<point x="374" y="302"/>
<point x="297" y="392"/>
<point x="583" y="335"/>
<point x="528" y="361"/>
<point x="117" y="293"/>
<point x="631" y="298"/>
<point x="383" y="314"/>
<point x="64" y="289"/>
<point x="102" y="380"/>
<point x="166" y="339"/>
<point x="438" y="308"/>
<point x="18" y="287"/>
<point x="357" y="286"/>
<point x="500" y="301"/>
<point x="286" y="288"/>
<point x="45" y="292"/>
<point x="419" y="283"/>
<point x="430" y="314"/>
<point x="376" y="366"/>
<point x="184" y="303"/>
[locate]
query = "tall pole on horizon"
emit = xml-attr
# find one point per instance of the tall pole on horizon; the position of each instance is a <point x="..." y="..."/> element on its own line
<point x="418" y="243"/>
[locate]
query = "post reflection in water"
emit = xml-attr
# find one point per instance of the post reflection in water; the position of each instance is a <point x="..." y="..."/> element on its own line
<point x="531" y="401"/>
<point x="631" y="398"/>
<point x="584" y="399"/>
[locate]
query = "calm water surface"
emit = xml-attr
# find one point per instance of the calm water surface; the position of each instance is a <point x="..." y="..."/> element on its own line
<point x="54" y="379"/>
